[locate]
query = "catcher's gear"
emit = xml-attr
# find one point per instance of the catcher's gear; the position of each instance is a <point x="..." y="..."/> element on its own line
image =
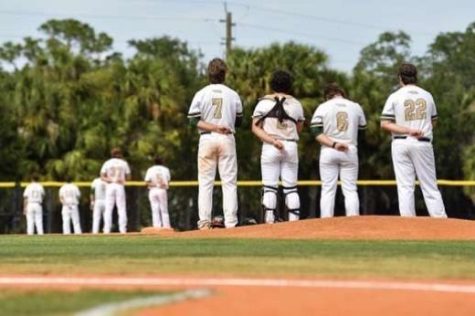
<point x="269" y="203"/>
<point x="292" y="201"/>
<point x="277" y="112"/>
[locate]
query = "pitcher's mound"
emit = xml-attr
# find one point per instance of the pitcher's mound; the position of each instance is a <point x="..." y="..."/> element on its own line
<point x="361" y="227"/>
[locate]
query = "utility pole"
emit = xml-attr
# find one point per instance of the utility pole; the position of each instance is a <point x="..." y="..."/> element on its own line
<point x="229" y="29"/>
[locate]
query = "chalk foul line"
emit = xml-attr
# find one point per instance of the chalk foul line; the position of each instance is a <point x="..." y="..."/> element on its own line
<point x="116" y="308"/>
<point x="242" y="282"/>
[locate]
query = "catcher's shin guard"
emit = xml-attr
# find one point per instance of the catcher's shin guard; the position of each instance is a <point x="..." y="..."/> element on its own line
<point x="269" y="203"/>
<point x="292" y="201"/>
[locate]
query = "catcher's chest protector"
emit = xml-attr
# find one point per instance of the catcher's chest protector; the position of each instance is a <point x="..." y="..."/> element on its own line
<point x="277" y="112"/>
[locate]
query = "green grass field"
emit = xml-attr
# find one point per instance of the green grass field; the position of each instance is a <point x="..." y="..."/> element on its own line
<point x="54" y="302"/>
<point x="147" y="255"/>
<point x="136" y="255"/>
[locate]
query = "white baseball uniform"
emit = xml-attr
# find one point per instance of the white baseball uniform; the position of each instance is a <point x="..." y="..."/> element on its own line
<point x="217" y="104"/>
<point x="98" y="186"/>
<point x="69" y="194"/>
<point x="117" y="170"/>
<point x="158" y="177"/>
<point x="34" y="193"/>
<point x="277" y="163"/>
<point x="413" y="107"/>
<point x="340" y="119"/>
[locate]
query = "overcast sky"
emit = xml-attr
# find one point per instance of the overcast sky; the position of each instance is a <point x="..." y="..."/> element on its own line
<point x="341" y="28"/>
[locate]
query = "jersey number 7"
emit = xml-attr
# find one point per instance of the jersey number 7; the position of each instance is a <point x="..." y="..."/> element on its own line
<point x="218" y="104"/>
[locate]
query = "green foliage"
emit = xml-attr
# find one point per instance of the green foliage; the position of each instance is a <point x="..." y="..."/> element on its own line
<point x="72" y="99"/>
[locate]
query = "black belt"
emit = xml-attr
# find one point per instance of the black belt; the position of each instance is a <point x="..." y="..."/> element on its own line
<point x="206" y="133"/>
<point x="422" y="139"/>
<point x="287" y="140"/>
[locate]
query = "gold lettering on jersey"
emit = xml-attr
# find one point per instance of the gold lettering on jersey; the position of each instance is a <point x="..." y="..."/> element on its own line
<point x="342" y="121"/>
<point x="415" y="110"/>
<point x="218" y="104"/>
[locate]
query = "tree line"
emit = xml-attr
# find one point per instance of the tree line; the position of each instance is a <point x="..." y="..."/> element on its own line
<point x="67" y="98"/>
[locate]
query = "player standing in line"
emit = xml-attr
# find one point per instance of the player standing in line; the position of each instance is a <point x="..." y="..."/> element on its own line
<point x="98" y="203"/>
<point x="69" y="195"/>
<point x="32" y="200"/>
<point x="157" y="178"/>
<point x="277" y="121"/>
<point x="216" y="110"/>
<point x="115" y="172"/>
<point x="335" y="125"/>
<point x="410" y="115"/>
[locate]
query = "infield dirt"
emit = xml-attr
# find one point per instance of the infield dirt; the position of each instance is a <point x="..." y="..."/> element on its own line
<point x="290" y="300"/>
<point x="354" y="228"/>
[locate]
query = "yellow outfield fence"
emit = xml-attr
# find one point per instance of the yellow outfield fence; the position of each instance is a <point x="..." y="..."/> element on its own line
<point x="247" y="183"/>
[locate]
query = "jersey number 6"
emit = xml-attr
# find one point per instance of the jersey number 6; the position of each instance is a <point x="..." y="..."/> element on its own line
<point x="342" y="121"/>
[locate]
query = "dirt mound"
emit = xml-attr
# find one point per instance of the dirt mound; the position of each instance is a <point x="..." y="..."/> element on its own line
<point x="362" y="227"/>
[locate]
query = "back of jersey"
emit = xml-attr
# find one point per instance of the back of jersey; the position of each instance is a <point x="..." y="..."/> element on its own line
<point x="99" y="187"/>
<point x="69" y="193"/>
<point x="412" y="107"/>
<point x="34" y="193"/>
<point x="116" y="169"/>
<point x="287" y="129"/>
<point x="340" y="119"/>
<point x="159" y="176"/>
<point x="216" y="104"/>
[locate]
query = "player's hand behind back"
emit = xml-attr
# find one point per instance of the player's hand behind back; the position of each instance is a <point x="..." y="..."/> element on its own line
<point x="222" y="130"/>
<point x="417" y="133"/>
<point x="341" y="147"/>
<point x="278" y="144"/>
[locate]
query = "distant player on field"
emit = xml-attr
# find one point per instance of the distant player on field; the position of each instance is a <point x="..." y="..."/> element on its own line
<point x="69" y="195"/>
<point x="335" y="125"/>
<point x="98" y="203"/>
<point x="277" y="121"/>
<point x="410" y="115"/>
<point x="115" y="172"/>
<point x="32" y="204"/>
<point x="216" y="110"/>
<point x="157" y="179"/>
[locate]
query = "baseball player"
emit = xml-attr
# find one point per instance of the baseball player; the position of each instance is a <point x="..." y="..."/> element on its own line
<point x="69" y="195"/>
<point x="157" y="179"/>
<point x="115" y="172"/>
<point x="33" y="198"/>
<point x="410" y="115"/>
<point x="98" y="203"/>
<point x="277" y="121"/>
<point x="335" y="125"/>
<point x="216" y="110"/>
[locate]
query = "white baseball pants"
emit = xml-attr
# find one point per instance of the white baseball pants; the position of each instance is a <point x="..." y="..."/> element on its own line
<point x="159" y="205"/>
<point x="34" y="217"/>
<point x="277" y="163"/>
<point x="71" y="213"/>
<point x="115" y="195"/>
<point x="98" y="213"/>
<point x="217" y="150"/>
<point x="334" y="163"/>
<point x="413" y="158"/>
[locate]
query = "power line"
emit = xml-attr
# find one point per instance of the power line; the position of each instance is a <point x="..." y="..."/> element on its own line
<point x="309" y="35"/>
<point x="325" y="19"/>
<point x="94" y="16"/>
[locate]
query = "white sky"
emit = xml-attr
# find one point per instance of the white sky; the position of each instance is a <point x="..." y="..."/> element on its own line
<point x="341" y="28"/>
